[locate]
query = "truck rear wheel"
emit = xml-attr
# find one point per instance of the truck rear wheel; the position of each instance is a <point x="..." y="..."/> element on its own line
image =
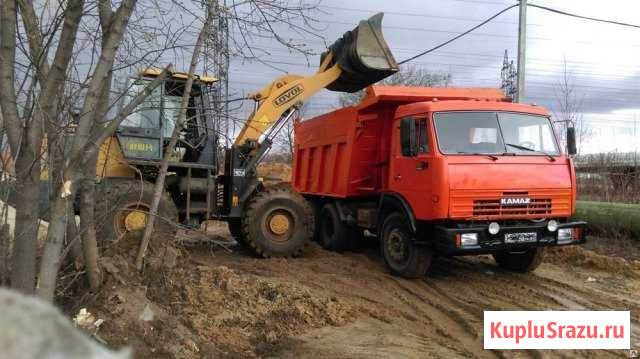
<point x="333" y="233"/>
<point x="277" y="222"/>
<point x="526" y="261"/>
<point x="122" y="207"/>
<point x="399" y="250"/>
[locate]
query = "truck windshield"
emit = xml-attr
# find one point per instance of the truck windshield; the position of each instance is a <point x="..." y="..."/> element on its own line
<point x="494" y="133"/>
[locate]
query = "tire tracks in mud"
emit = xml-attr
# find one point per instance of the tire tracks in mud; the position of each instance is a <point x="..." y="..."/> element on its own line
<point x="455" y="302"/>
<point x="442" y="314"/>
<point x="452" y="324"/>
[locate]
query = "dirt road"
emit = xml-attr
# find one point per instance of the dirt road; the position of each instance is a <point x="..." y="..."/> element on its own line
<point x="328" y="305"/>
<point x="441" y="315"/>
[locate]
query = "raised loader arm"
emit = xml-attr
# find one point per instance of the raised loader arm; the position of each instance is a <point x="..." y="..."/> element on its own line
<point x="281" y="95"/>
<point x="360" y="58"/>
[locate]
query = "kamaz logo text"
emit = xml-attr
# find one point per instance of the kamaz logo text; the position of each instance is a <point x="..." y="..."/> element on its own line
<point x="515" y="201"/>
<point x="288" y="95"/>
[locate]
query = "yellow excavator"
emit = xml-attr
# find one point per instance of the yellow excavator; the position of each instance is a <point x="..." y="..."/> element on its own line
<point x="274" y="221"/>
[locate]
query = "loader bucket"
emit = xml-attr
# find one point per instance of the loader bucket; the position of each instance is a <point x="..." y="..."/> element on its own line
<point x="363" y="56"/>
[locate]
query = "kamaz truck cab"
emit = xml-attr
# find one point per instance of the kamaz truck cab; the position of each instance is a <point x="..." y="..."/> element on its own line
<point x="439" y="171"/>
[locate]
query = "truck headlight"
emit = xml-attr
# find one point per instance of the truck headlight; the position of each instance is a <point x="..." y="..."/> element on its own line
<point x="552" y="225"/>
<point x="494" y="228"/>
<point x="469" y="239"/>
<point x="565" y="235"/>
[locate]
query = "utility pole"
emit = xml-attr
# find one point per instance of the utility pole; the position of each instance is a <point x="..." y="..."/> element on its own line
<point x="522" y="39"/>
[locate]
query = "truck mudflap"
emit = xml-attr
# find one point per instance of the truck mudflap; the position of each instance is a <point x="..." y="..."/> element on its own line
<point x="478" y="240"/>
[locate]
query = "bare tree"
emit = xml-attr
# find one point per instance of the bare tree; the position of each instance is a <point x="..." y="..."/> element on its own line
<point x="408" y="76"/>
<point x="284" y="143"/>
<point x="32" y="107"/>
<point x="57" y="62"/>
<point x="180" y="123"/>
<point x="568" y="109"/>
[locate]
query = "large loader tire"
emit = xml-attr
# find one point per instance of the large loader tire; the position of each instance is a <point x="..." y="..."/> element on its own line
<point x="401" y="254"/>
<point x="526" y="261"/>
<point x="122" y="206"/>
<point x="278" y="222"/>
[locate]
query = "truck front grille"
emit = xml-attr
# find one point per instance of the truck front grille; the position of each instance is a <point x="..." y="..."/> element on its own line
<point x="492" y="207"/>
<point x="487" y="205"/>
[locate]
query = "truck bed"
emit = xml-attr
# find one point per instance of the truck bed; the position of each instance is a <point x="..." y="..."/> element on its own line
<point x="339" y="154"/>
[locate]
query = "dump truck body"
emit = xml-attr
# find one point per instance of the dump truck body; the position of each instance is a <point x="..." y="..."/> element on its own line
<point x="453" y="161"/>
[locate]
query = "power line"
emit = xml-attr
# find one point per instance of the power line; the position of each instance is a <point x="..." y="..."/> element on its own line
<point x="458" y="36"/>
<point x="421" y="15"/>
<point x="502" y="12"/>
<point x="539" y="65"/>
<point x="584" y="17"/>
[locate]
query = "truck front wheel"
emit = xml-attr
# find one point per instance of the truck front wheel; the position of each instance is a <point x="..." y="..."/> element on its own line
<point x="277" y="222"/>
<point x="525" y="261"/>
<point x="400" y="252"/>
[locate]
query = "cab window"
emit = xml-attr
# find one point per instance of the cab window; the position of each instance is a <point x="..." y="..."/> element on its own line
<point x="414" y="138"/>
<point x="423" y="137"/>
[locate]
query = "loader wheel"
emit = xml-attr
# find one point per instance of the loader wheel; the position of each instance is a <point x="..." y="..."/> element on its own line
<point x="399" y="251"/>
<point x="277" y="222"/>
<point x="122" y="207"/>
<point x="526" y="261"/>
<point x="334" y="234"/>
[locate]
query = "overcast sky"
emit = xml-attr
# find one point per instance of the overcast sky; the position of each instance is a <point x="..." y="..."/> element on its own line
<point x="601" y="58"/>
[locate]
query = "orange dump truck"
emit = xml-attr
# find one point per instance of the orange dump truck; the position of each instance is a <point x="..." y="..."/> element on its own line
<point x="448" y="171"/>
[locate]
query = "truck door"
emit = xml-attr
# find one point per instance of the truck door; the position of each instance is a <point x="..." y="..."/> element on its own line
<point x="411" y="162"/>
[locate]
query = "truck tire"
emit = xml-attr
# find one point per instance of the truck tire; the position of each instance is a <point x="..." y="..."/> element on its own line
<point x="523" y="262"/>
<point x="333" y="233"/>
<point x="277" y="222"/>
<point x="399" y="251"/>
<point x="116" y="205"/>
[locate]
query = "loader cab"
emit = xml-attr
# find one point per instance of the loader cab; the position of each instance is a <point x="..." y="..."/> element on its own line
<point x="144" y="134"/>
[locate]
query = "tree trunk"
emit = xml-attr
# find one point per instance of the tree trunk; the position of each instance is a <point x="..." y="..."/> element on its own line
<point x="164" y="164"/>
<point x="51" y="258"/>
<point x="88" y="229"/>
<point x="5" y="245"/>
<point x="77" y="254"/>
<point x="25" y="235"/>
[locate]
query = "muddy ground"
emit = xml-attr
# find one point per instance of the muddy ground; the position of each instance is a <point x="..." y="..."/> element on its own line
<point x="207" y="302"/>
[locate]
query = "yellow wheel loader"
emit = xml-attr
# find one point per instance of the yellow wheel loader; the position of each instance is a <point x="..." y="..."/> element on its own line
<point x="274" y="221"/>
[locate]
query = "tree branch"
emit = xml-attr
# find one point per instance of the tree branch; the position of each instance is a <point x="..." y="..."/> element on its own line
<point x="8" y="103"/>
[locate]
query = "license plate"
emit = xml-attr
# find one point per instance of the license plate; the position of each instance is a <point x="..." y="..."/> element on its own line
<point x="520" y="237"/>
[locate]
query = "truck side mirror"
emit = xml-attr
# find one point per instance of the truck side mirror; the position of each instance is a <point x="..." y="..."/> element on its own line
<point x="408" y="139"/>
<point x="571" y="141"/>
